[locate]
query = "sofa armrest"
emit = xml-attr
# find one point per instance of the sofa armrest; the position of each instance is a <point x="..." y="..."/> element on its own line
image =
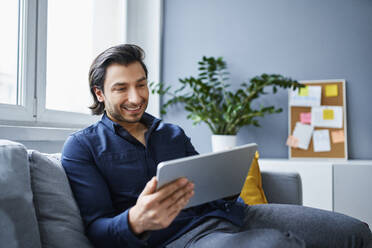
<point x="282" y="187"/>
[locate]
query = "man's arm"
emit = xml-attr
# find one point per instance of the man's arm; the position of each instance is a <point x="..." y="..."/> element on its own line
<point x="190" y="149"/>
<point x="104" y="226"/>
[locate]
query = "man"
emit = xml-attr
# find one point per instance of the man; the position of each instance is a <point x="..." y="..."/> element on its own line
<point x="111" y="167"/>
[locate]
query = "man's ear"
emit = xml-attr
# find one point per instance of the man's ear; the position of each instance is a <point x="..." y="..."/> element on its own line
<point x="99" y="94"/>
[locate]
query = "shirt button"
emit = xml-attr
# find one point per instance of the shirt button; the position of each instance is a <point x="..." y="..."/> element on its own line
<point x="227" y="207"/>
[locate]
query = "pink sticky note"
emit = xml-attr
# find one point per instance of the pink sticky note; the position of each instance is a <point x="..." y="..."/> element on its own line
<point x="292" y="141"/>
<point x="305" y="118"/>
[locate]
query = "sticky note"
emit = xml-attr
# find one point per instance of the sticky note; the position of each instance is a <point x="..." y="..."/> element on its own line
<point x="338" y="136"/>
<point x="321" y="141"/>
<point x="303" y="91"/>
<point x="292" y="141"/>
<point x="305" y="118"/>
<point x="331" y="90"/>
<point x="309" y="96"/>
<point x="318" y="120"/>
<point x="328" y="114"/>
<point x="303" y="133"/>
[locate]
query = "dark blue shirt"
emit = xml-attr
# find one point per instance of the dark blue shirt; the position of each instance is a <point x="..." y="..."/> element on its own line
<point x="108" y="169"/>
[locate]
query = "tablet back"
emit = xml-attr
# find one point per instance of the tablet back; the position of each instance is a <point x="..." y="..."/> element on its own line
<point x="215" y="175"/>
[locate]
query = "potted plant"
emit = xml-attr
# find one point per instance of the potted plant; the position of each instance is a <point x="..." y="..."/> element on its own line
<point x="208" y="99"/>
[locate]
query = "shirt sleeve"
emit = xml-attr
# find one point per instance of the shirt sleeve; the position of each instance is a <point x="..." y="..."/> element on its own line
<point x="105" y="227"/>
<point x="190" y="149"/>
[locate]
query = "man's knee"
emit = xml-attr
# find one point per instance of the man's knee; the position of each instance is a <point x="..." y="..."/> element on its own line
<point x="275" y="238"/>
<point x="353" y="232"/>
<point x="361" y="234"/>
<point x="258" y="238"/>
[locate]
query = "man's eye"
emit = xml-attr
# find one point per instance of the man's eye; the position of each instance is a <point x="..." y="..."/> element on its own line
<point x="141" y="85"/>
<point x="121" y="89"/>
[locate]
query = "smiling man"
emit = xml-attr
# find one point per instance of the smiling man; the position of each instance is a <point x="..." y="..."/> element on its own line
<point x="126" y="97"/>
<point x="111" y="167"/>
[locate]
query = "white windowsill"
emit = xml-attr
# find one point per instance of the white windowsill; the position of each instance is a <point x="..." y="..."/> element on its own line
<point x="26" y="133"/>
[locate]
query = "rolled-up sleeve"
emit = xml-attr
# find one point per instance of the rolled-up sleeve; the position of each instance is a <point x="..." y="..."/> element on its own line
<point x="105" y="227"/>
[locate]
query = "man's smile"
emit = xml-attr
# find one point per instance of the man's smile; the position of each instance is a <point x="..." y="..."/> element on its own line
<point x="132" y="109"/>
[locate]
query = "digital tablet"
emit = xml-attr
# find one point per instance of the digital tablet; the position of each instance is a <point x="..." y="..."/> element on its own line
<point x="215" y="175"/>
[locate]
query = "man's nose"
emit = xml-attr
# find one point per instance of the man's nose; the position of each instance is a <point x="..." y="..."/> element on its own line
<point x="134" y="96"/>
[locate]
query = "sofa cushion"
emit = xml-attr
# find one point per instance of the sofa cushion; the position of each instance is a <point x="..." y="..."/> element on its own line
<point x="282" y="187"/>
<point x="18" y="224"/>
<point x="58" y="215"/>
<point x="252" y="192"/>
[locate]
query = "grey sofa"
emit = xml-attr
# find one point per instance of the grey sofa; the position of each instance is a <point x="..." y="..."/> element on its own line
<point x="37" y="208"/>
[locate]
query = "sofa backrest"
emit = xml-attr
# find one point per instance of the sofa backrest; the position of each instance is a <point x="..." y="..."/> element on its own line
<point x="58" y="215"/>
<point x="18" y="222"/>
<point x="37" y="207"/>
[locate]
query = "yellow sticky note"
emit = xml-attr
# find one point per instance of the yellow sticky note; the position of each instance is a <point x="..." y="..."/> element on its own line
<point x="304" y="91"/>
<point x="328" y="114"/>
<point x="331" y="90"/>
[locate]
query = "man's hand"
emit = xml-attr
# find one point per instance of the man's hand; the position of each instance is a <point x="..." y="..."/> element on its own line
<point x="156" y="210"/>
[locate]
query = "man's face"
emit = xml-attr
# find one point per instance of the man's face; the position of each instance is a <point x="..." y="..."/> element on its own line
<point x="125" y="93"/>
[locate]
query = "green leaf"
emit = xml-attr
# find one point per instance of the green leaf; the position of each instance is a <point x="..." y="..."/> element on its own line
<point x="207" y="98"/>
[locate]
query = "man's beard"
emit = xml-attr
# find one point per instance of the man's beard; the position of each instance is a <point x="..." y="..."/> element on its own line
<point x="119" y="117"/>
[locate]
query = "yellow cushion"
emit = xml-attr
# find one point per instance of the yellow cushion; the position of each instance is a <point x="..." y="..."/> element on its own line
<point x="252" y="192"/>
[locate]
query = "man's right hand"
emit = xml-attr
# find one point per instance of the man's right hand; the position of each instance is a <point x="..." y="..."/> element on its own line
<point x="156" y="210"/>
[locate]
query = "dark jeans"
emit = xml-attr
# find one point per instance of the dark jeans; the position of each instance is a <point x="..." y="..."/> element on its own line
<point x="278" y="225"/>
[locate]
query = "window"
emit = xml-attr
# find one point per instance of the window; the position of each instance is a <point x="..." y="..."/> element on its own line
<point x="70" y="35"/>
<point x="49" y="46"/>
<point x="91" y="27"/>
<point x="9" y="25"/>
<point x="17" y="79"/>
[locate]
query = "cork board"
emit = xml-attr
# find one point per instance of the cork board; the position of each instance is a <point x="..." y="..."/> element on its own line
<point x="338" y="150"/>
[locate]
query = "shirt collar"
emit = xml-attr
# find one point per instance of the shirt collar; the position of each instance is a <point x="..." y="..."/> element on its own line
<point x="150" y="122"/>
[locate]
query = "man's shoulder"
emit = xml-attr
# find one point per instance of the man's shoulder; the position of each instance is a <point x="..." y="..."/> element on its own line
<point x="170" y="132"/>
<point x="83" y="141"/>
<point x="85" y="132"/>
<point x="169" y="128"/>
<point x="85" y="135"/>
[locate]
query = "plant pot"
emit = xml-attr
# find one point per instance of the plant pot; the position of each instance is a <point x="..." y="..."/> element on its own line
<point x="223" y="142"/>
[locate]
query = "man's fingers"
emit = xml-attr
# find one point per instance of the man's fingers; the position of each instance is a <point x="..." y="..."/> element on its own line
<point x="169" y="189"/>
<point x="176" y="208"/>
<point x="180" y="203"/>
<point x="150" y="187"/>
<point x="176" y="197"/>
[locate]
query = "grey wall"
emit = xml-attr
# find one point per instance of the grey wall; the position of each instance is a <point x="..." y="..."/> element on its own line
<point x="306" y="40"/>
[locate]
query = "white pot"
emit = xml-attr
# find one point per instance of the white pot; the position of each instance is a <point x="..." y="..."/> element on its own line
<point x="223" y="142"/>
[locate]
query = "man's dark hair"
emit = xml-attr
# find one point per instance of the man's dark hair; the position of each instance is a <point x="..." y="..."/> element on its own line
<point x="122" y="54"/>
